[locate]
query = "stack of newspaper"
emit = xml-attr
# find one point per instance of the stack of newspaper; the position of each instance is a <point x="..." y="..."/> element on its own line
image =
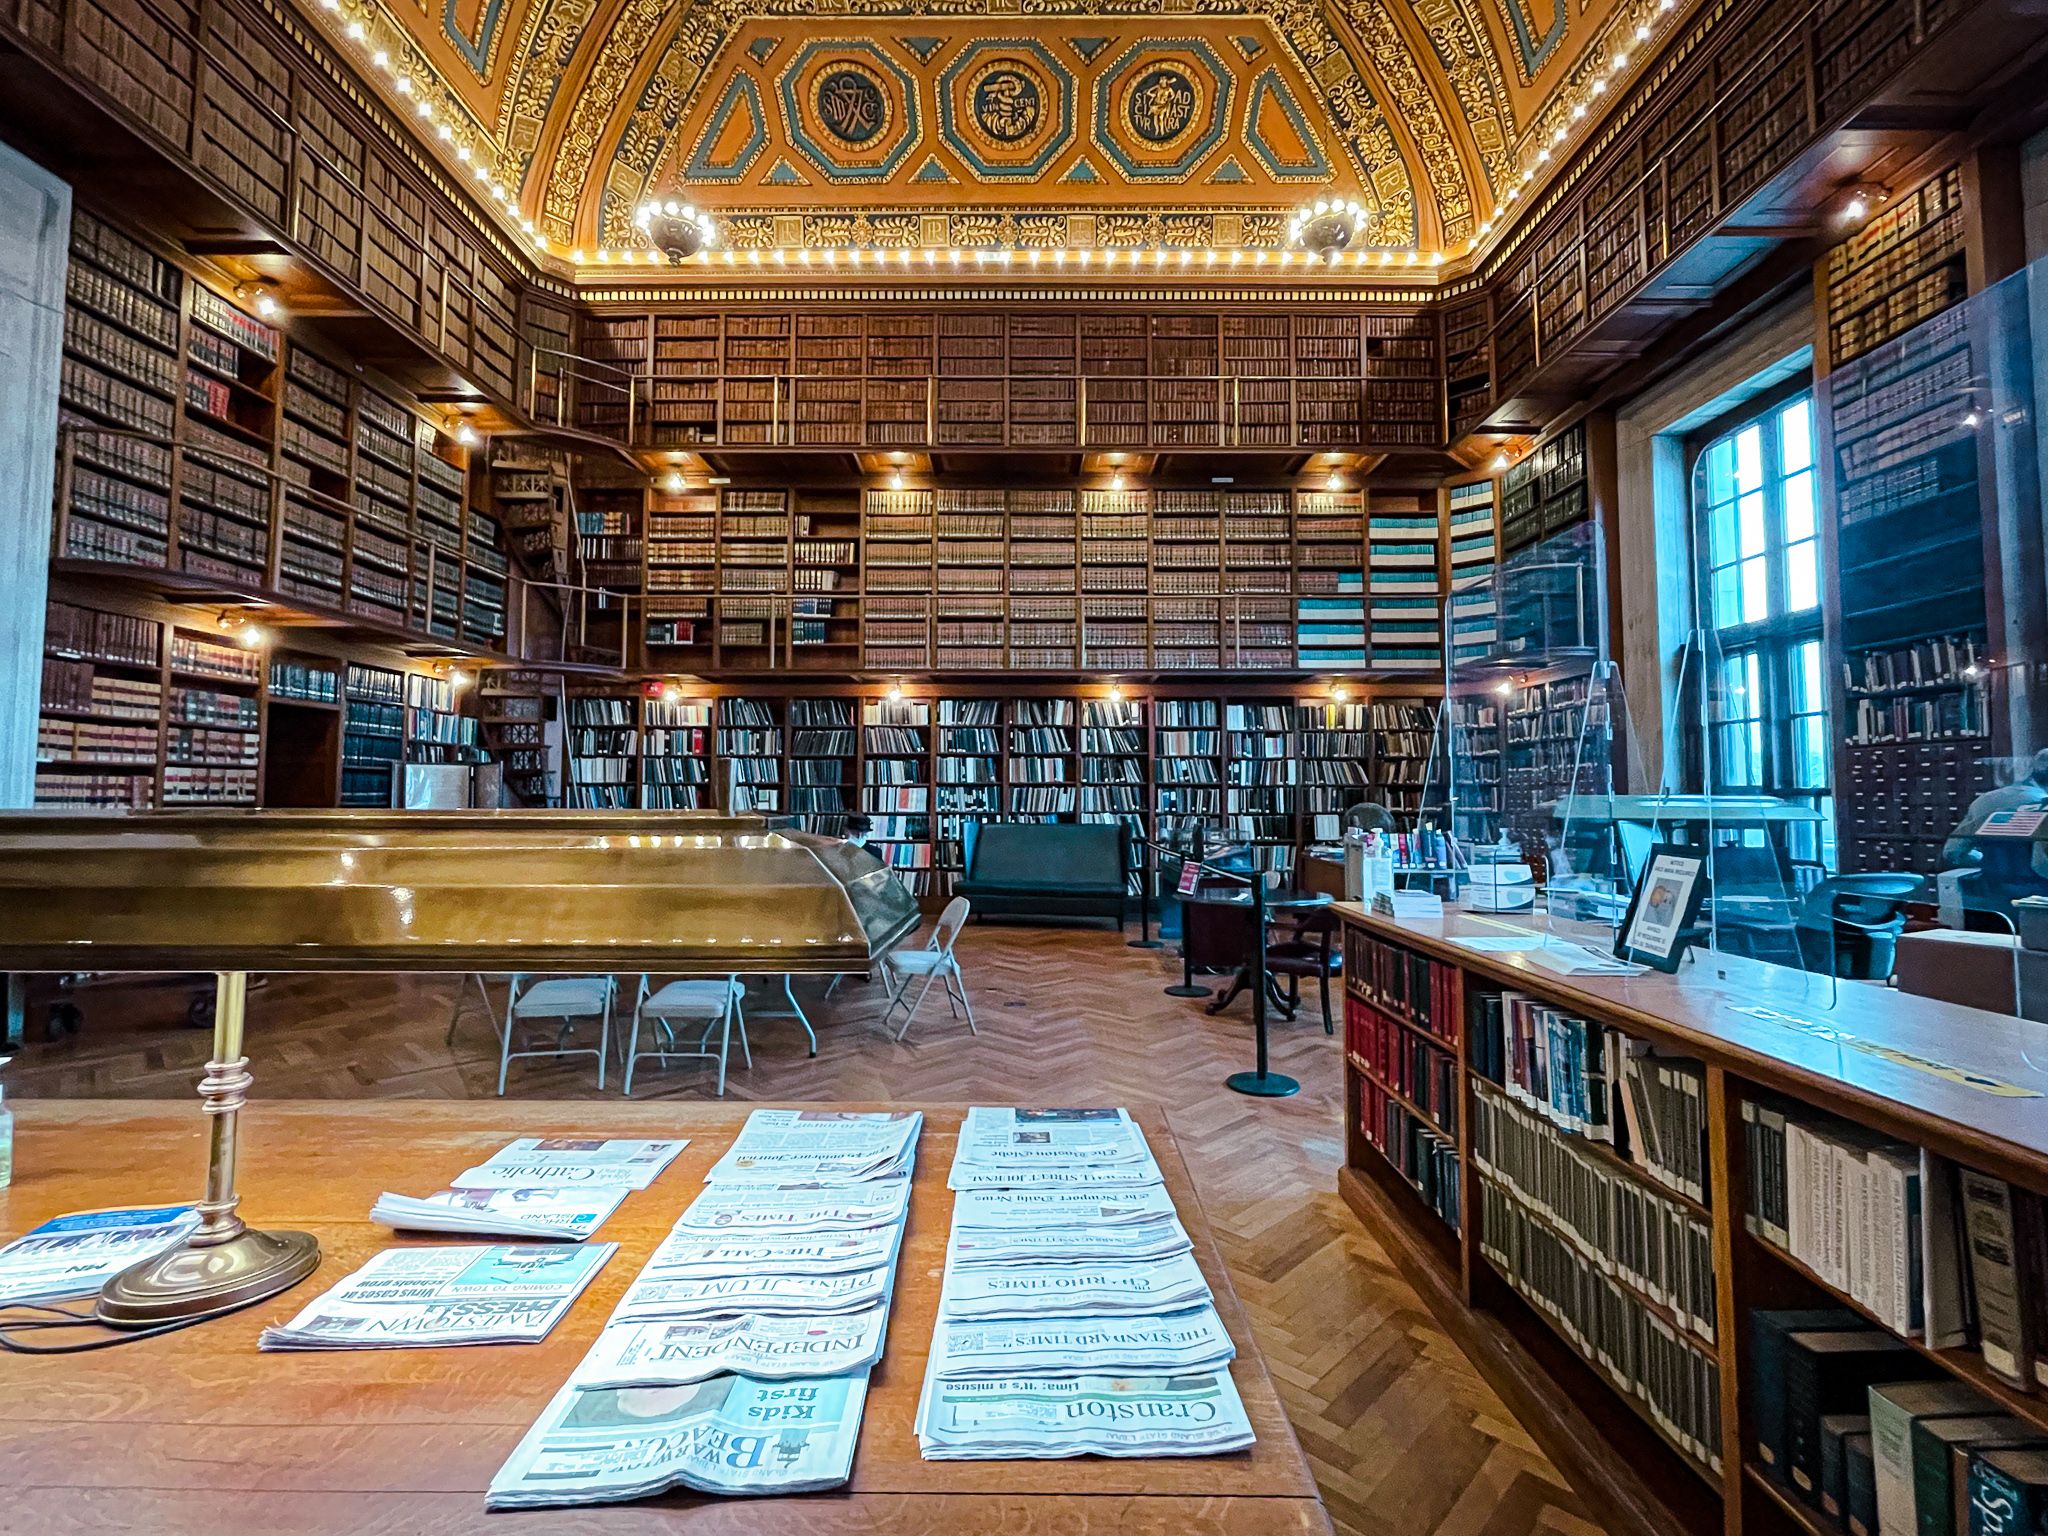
<point x="538" y="1186"/>
<point x="738" y="1360"/>
<point x="72" y="1256"/>
<point x="417" y="1298"/>
<point x="1073" y="1319"/>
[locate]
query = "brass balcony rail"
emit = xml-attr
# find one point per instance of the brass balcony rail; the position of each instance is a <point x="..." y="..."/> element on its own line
<point x="643" y="409"/>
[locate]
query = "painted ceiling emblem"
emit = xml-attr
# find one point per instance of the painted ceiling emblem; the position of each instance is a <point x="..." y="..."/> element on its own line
<point x="849" y="108"/>
<point x="1008" y="105"/>
<point x="851" y="103"/>
<point x="1161" y="105"/>
<point x="1162" y="108"/>
<point x="1006" y="108"/>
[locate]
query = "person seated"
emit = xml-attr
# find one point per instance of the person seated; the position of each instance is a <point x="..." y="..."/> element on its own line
<point x="859" y="829"/>
<point x="2004" y="862"/>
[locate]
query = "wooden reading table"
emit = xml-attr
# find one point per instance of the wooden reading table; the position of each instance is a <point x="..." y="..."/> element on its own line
<point x="197" y="1431"/>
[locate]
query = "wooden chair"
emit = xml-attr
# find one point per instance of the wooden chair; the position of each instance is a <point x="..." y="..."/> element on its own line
<point x="935" y="962"/>
<point x="1312" y="949"/>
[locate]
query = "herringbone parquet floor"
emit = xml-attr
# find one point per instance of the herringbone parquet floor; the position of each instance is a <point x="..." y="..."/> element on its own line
<point x="1405" y="1438"/>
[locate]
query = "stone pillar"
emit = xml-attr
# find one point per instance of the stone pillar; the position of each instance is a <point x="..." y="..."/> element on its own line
<point x="35" y="236"/>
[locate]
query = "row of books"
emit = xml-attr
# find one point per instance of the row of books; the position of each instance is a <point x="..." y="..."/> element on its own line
<point x="1399" y="981"/>
<point x="1416" y="1150"/>
<point x="1424" y="1074"/>
<point x="1619" y="1225"/>
<point x="1671" y="1378"/>
<point x="1594" y="1081"/>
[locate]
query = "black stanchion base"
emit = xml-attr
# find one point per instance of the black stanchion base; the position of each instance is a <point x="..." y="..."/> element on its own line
<point x="1269" y="1085"/>
<point x="1186" y="989"/>
<point x="1143" y="944"/>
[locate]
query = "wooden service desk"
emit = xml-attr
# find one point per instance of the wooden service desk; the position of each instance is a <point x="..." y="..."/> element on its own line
<point x="198" y="1431"/>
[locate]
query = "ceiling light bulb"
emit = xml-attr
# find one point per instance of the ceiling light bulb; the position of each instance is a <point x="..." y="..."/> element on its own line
<point x="1504" y="687"/>
<point x="1620" y="63"/>
<point x="1642" y="31"/>
<point x="1500" y="462"/>
<point x="896" y="481"/>
<point x="250" y="635"/>
<point x="1116" y="482"/>
<point x="1339" y="693"/>
<point x="355" y="31"/>
<point x="465" y="434"/>
<point x="895" y="692"/>
<point x="405" y="85"/>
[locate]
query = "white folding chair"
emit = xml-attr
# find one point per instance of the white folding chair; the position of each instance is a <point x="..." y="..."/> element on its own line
<point x="714" y="1003"/>
<point x="462" y="1000"/>
<point x="567" y="1000"/>
<point x="935" y="963"/>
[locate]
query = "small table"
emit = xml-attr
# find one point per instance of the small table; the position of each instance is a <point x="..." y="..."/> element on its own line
<point x="1280" y="899"/>
<point x="196" y="1433"/>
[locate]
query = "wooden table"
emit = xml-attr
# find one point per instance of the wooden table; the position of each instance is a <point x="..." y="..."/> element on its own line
<point x="199" y="1432"/>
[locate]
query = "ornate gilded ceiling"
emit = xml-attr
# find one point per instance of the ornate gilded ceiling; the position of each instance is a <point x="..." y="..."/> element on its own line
<point x="1050" y="125"/>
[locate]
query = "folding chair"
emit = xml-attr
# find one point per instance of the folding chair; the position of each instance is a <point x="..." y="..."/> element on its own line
<point x="462" y="1001"/>
<point x="714" y="1003"/>
<point x="567" y="1000"/>
<point x="935" y="962"/>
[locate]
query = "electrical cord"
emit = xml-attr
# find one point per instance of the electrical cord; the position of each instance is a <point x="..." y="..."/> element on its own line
<point x="62" y="1317"/>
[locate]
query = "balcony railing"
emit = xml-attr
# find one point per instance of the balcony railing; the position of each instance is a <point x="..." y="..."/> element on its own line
<point x="881" y="412"/>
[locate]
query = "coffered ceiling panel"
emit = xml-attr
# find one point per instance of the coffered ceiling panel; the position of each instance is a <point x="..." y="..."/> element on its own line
<point x="1027" y="124"/>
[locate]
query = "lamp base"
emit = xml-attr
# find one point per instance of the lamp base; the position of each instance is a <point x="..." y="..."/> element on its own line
<point x="1187" y="989"/>
<point x="191" y="1283"/>
<point x="1262" y="1085"/>
<point x="1143" y="944"/>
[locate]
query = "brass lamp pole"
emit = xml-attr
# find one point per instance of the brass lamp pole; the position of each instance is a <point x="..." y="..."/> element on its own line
<point x="224" y="1263"/>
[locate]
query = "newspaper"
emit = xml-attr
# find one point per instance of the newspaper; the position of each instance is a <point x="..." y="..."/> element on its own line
<point x="1005" y="1417"/>
<point x="728" y="1435"/>
<point x="1131" y="1242"/>
<point x="765" y="1348"/>
<point x="412" y="1298"/>
<point x="1046" y="1290"/>
<point x="543" y="1211"/>
<point x="758" y="1208"/>
<point x="1172" y="1342"/>
<point x="1086" y="1206"/>
<point x="566" y="1161"/>
<point x="823" y="1146"/>
<point x="651" y="1299"/>
<point x="1125" y="1176"/>
<point x="72" y="1256"/>
<point x="1054" y="1138"/>
<point x="687" y="1256"/>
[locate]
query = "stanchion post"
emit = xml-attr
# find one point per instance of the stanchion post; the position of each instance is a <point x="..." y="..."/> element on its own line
<point x="1261" y="1084"/>
<point x="1146" y="874"/>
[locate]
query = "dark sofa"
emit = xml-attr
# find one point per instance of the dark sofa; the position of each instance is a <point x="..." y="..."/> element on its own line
<point x="1041" y="869"/>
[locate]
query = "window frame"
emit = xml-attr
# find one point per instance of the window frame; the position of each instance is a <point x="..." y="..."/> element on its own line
<point x="1776" y="639"/>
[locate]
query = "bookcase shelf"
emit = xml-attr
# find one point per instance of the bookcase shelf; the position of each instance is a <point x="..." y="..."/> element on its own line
<point x="1907" y="577"/>
<point x="1713" y="1101"/>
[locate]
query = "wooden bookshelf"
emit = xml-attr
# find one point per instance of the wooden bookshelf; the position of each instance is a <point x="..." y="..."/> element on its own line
<point x="1910" y="564"/>
<point x="1758" y="1034"/>
<point x="203" y="442"/>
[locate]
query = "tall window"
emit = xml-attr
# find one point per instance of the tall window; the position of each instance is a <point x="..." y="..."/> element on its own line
<point x="1758" y="537"/>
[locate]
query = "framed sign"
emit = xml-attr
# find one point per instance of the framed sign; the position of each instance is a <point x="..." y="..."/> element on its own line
<point x="1190" y="877"/>
<point x="1664" y="908"/>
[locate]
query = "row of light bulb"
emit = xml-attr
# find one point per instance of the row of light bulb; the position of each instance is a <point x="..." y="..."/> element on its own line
<point x="357" y="31"/>
<point x="954" y="256"/>
<point x="1597" y="88"/>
